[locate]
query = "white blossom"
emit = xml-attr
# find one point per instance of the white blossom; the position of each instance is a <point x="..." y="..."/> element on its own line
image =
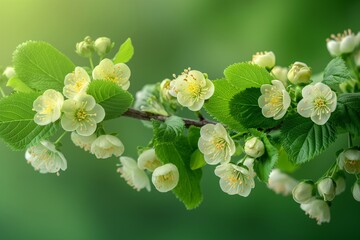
<point x="303" y="192"/>
<point x="148" y="160"/>
<point x="103" y="45"/>
<point x="216" y="144"/>
<point x="280" y="73"/>
<point x="9" y="72"/>
<point x="83" y="142"/>
<point x="48" y="107"/>
<point x="317" y="209"/>
<point x="118" y="73"/>
<point x="165" y="178"/>
<point x="235" y="179"/>
<point x="341" y="43"/>
<point x="275" y="100"/>
<point x="254" y="147"/>
<point x="191" y="89"/>
<point x="356" y="191"/>
<point x="133" y="175"/>
<point x="76" y="83"/>
<point x="107" y="145"/>
<point x="318" y="102"/>
<point x="349" y="160"/>
<point x="281" y="183"/>
<point x="326" y="188"/>
<point x="299" y="73"/>
<point x="264" y="59"/>
<point x="45" y="158"/>
<point x="82" y="115"/>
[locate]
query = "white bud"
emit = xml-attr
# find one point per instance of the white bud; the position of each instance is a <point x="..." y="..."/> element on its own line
<point x="9" y="72"/>
<point x="333" y="48"/>
<point x="280" y="73"/>
<point x="303" y="192"/>
<point x="103" y="45"/>
<point x="356" y="191"/>
<point x="326" y="188"/>
<point x="254" y="147"/>
<point x="347" y="44"/>
<point x="107" y="145"/>
<point x="264" y="59"/>
<point x="166" y="177"/>
<point x="299" y="73"/>
<point x="340" y="185"/>
<point x="148" y="160"/>
<point x="85" y="48"/>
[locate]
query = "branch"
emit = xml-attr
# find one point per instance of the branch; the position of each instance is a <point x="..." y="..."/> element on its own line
<point x="149" y="116"/>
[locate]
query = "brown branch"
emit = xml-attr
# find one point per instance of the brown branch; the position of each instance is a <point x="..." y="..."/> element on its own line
<point x="132" y="113"/>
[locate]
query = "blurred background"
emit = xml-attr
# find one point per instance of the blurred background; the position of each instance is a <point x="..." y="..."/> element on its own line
<point x="90" y="200"/>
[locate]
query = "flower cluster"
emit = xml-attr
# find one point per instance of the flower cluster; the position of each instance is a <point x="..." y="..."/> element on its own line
<point x="342" y="43"/>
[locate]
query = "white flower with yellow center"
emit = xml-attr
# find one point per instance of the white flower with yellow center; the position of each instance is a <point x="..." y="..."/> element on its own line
<point x="191" y="89"/>
<point x="341" y="43"/>
<point x="118" y="73"/>
<point x="264" y="59"/>
<point x="133" y="175"/>
<point x="48" y="107"/>
<point x="216" y="144"/>
<point x="275" y="100"/>
<point x="349" y="160"/>
<point x="148" y="160"/>
<point x="318" y="103"/>
<point x="317" y="209"/>
<point x="82" y="115"/>
<point x="281" y="183"/>
<point x="45" y="158"/>
<point x="235" y="179"/>
<point x="83" y="142"/>
<point x="107" y="145"/>
<point x="76" y="83"/>
<point x="165" y="178"/>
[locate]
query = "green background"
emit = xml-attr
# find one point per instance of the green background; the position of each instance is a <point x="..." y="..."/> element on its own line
<point x="90" y="200"/>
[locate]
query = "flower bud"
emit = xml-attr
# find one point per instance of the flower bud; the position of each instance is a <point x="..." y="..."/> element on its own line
<point x="9" y="72"/>
<point x="148" y="160"/>
<point x="356" y="191"/>
<point x="107" y="145"/>
<point x="166" y="177"/>
<point x="85" y="48"/>
<point x="303" y="192"/>
<point x="350" y="161"/>
<point x="165" y="90"/>
<point x="340" y="185"/>
<point x="299" y="73"/>
<point x="103" y="45"/>
<point x="254" y="147"/>
<point x="333" y="48"/>
<point x="347" y="44"/>
<point x="280" y="73"/>
<point x="264" y="59"/>
<point x="326" y="188"/>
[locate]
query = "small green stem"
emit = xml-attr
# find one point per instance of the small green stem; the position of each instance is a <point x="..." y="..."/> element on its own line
<point x="2" y="92"/>
<point x="237" y="135"/>
<point x="199" y="115"/>
<point x="350" y="142"/>
<point x="61" y="136"/>
<point x="91" y="63"/>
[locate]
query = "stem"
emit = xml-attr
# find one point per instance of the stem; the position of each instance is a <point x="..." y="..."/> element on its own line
<point x="237" y="135"/>
<point x="61" y="136"/>
<point x="133" y="113"/>
<point x="199" y="115"/>
<point x="350" y="142"/>
<point x="2" y="92"/>
<point x="91" y="63"/>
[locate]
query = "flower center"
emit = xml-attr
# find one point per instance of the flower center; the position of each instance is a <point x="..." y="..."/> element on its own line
<point x="194" y="89"/>
<point x="81" y="115"/>
<point x="166" y="177"/>
<point x="319" y="103"/>
<point x="219" y="143"/>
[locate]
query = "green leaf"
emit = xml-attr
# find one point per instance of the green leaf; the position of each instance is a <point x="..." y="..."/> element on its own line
<point x="193" y="136"/>
<point x="284" y="163"/>
<point x="264" y="164"/>
<point x="41" y="66"/>
<point x="125" y="53"/>
<point x="336" y="72"/>
<point x="246" y="75"/>
<point x="347" y="113"/>
<point x="197" y="160"/>
<point x="17" y="127"/>
<point x="303" y="140"/>
<point x="176" y="149"/>
<point x="218" y="105"/>
<point x="18" y="85"/>
<point x="245" y="109"/>
<point x="169" y="130"/>
<point x="111" y="97"/>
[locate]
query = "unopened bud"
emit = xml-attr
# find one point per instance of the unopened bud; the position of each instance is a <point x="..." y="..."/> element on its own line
<point x="356" y="191"/>
<point x="264" y="59"/>
<point x="299" y="73"/>
<point x="103" y="45"/>
<point x="85" y="48"/>
<point x="9" y="72"/>
<point x="326" y="188"/>
<point x="254" y="147"/>
<point x="303" y="192"/>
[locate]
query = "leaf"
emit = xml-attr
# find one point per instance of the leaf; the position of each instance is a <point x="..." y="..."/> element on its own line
<point x="284" y="164"/>
<point x="218" y="105"/>
<point x="245" y="109"/>
<point x="125" y="53"/>
<point x="111" y="97"/>
<point x="246" y="75"/>
<point x="18" y="85"/>
<point x="264" y="164"/>
<point x="169" y="130"/>
<point x="336" y="72"/>
<point x="303" y="140"/>
<point x="347" y="113"/>
<point x="193" y="136"/>
<point x="41" y="66"/>
<point x="178" y="151"/>
<point x="197" y="160"/>
<point x="17" y="127"/>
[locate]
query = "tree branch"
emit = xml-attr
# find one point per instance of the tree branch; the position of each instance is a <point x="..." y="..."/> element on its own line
<point x="132" y="113"/>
